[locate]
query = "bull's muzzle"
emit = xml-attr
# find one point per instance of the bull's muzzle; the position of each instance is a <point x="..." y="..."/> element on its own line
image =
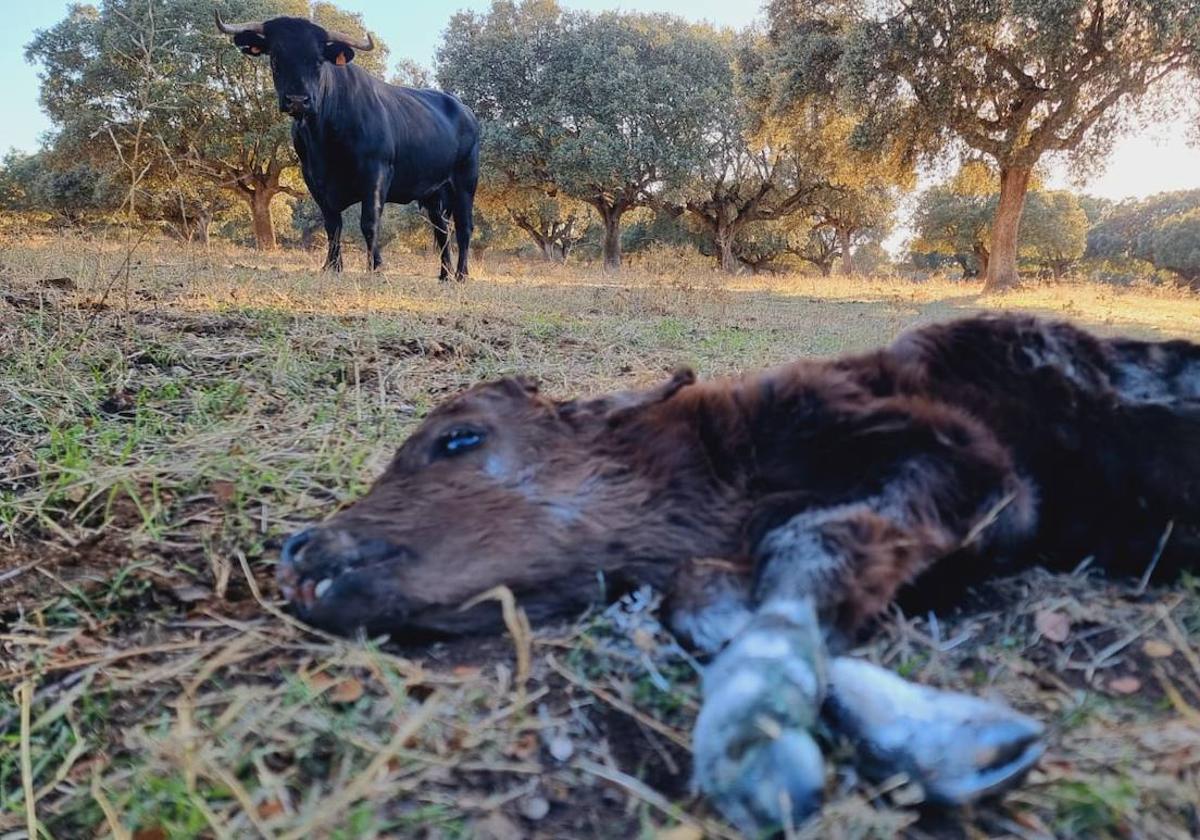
<point x="296" y="105"/>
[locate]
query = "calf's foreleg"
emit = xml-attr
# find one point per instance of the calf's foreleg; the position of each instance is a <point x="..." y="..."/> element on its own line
<point x="818" y="575"/>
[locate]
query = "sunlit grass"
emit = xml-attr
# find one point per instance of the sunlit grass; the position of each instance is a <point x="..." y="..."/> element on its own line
<point x="165" y="427"/>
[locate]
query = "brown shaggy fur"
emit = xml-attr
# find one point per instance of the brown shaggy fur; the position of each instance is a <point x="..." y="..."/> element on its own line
<point x="971" y="447"/>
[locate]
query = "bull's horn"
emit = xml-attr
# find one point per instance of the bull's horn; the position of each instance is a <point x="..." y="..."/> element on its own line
<point x="237" y="28"/>
<point x="358" y="44"/>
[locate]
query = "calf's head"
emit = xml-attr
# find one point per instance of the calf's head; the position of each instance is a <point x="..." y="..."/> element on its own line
<point x="300" y="52"/>
<point x="503" y="486"/>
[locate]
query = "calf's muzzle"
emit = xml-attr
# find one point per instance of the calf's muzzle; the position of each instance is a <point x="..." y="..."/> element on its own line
<point x="332" y="575"/>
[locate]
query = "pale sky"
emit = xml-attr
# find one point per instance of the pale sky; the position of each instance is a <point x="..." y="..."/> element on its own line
<point x="1155" y="160"/>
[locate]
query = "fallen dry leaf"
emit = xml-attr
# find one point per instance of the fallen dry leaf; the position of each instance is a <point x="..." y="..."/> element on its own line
<point x="496" y="826"/>
<point x="191" y="593"/>
<point x="270" y="808"/>
<point x="644" y="640"/>
<point x="1125" y="685"/>
<point x="524" y="746"/>
<point x="1158" y="649"/>
<point x="223" y="491"/>
<point x="347" y="691"/>
<point x="320" y="683"/>
<point x="680" y="832"/>
<point x="1054" y="626"/>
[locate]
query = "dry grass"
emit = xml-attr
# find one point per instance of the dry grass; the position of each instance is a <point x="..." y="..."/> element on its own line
<point x="164" y="426"/>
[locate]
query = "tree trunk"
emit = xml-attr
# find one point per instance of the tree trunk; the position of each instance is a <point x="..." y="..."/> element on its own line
<point x="826" y="268"/>
<point x="1006" y="225"/>
<point x="612" y="238"/>
<point x="726" y="235"/>
<point x="982" y="257"/>
<point x="264" y="228"/>
<point x="544" y="245"/>
<point x="843" y="235"/>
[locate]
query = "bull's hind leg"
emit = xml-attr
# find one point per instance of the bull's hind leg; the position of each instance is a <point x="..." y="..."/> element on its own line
<point x="372" y="217"/>
<point x="463" y="207"/>
<point x="820" y="571"/>
<point x="439" y="220"/>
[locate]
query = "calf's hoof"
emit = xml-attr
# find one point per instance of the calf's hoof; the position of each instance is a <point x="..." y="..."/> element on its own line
<point x="958" y="748"/>
<point x="754" y="757"/>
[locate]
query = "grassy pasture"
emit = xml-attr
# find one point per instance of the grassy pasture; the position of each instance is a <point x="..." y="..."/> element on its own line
<point x="167" y="415"/>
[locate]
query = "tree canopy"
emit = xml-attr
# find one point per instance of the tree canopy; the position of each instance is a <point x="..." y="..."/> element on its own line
<point x="1012" y="79"/>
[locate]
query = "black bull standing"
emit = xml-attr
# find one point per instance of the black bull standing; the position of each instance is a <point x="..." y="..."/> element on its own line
<point x="362" y="140"/>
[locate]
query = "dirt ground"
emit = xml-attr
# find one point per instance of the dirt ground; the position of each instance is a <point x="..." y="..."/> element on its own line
<point x="167" y="415"/>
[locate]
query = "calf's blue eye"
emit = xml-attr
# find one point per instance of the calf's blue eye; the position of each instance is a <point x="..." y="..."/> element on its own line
<point x="460" y="441"/>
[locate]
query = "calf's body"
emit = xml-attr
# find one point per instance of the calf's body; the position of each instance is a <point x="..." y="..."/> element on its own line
<point x="964" y="450"/>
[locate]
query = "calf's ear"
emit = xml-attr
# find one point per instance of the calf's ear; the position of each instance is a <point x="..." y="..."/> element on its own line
<point x="251" y="43"/>
<point x="616" y="408"/>
<point x="339" y="53"/>
<point x="628" y="404"/>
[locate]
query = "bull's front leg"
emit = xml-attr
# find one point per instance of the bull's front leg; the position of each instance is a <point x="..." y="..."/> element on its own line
<point x="819" y="574"/>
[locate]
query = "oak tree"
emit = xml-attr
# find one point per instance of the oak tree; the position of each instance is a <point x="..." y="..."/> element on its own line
<point x="1013" y="80"/>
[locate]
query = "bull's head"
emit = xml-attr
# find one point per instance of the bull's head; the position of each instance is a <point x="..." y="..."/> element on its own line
<point x="503" y="486"/>
<point x="300" y="52"/>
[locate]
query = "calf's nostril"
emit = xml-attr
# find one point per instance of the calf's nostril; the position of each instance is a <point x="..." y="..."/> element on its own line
<point x="294" y="547"/>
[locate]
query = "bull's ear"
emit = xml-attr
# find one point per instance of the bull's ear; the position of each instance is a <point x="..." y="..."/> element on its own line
<point x="251" y="43"/>
<point x="339" y="53"/>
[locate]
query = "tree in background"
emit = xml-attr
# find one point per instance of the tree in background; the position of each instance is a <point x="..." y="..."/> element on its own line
<point x="760" y="167"/>
<point x="555" y="224"/>
<point x="71" y="193"/>
<point x="855" y="216"/>
<point x="1011" y="80"/>
<point x="953" y="219"/>
<point x="501" y="64"/>
<point x="818" y="246"/>
<point x="1054" y="230"/>
<point x="150" y="89"/>
<point x="742" y="179"/>
<point x="1127" y="230"/>
<point x="1176" y="246"/>
<point x="634" y="95"/>
<point x="1158" y="230"/>
<point x="607" y="110"/>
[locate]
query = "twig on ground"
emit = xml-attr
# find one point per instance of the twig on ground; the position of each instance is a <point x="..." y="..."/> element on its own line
<point x="1181" y="641"/>
<point x="106" y="807"/>
<point x="1144" y="583"/>
<point x="109" y="659"/>
<point x="24" y="696"/>
<point x="518" y="627"/>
